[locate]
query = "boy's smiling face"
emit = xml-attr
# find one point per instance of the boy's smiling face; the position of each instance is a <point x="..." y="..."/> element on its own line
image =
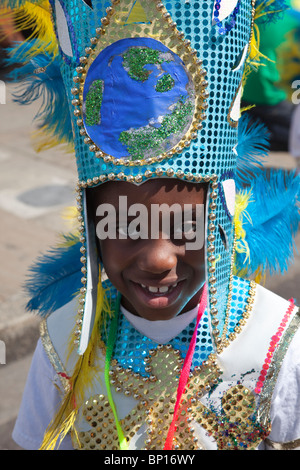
<point x="160" y="277"/>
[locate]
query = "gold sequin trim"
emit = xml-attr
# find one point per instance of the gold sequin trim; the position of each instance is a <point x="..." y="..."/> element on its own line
<point x="52" y="355"/>
<point x="155" y="395"/>
<point x="242" y="322"/>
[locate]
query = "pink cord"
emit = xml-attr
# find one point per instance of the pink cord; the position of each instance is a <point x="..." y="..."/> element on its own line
<point x="184" y="376"/>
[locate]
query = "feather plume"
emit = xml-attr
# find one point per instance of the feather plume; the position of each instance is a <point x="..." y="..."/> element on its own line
<point x="252" y="148"/>
<point x="242" y="201"/>
<point x="36" y="18"/>
<point x="19" y="3"/>
<point x="55" y="277"/>
<point x="272" y="222"/>
<point x="40" y="79"/>
<point x="82" y="378"/>
<point x="266" y="11"/>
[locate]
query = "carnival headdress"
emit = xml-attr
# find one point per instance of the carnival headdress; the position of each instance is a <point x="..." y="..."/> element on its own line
<point x="149" y="89"/>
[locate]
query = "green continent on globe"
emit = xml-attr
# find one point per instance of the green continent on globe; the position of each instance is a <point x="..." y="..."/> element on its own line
<point x="135" y="59"/>
<point x="93" y="103"/>
<point x="165" y="83"/>
<point x="141" y="142"/>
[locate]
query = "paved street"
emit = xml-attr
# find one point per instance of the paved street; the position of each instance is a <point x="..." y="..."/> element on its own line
<point x="34" y="190"/>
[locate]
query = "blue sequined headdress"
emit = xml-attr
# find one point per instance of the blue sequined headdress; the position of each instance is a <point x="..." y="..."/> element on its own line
<point x="153" y="90"/>
<point x="157" y="94"/>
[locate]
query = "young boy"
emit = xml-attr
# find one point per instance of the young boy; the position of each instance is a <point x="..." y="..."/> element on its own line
<point x="162" y="347"/>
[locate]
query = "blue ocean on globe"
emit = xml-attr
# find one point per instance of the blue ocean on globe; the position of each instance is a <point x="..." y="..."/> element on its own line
<point x="128" y="103"/>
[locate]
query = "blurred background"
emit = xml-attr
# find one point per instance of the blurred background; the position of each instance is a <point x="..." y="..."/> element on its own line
<point x="36" y="188"/>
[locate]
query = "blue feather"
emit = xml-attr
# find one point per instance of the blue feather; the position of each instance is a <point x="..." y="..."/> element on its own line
<point x="40" y="78"/>
<point x="54" y="279"/>
<point x="274" y="10"/>
<point x="274" y="219"/>
<point x="253" y="146"/>
<point x="17" y="3"/>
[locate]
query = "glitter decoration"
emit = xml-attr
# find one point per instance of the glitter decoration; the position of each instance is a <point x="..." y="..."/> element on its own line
<point x="143" y="142"/>
<point x="129" y="20"/>
<point x="238" y="403"/>
<point x="165" y="83"/>
<point x="93" y="103"/>
<point x="233" y="428"/>
<point x="135" y="59"/>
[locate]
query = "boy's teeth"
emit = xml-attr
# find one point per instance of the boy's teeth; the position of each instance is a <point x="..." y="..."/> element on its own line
<point x="156" y="290"/>
<point x="164" y="289"/>
<point x="153" y="289"/>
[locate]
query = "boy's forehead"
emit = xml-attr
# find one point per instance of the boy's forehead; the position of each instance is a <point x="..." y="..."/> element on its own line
<point x="160" y="189"/>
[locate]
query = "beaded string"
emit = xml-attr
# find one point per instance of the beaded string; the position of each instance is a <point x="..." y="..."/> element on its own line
<point x="232" y="21"/>
<point x="273" y="345"/>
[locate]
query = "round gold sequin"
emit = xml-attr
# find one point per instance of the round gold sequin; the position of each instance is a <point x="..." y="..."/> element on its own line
<point x="238" y="403"/>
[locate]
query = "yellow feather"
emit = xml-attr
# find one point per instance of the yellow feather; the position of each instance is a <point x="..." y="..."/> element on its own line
<point x="37" y="18"/>
<point x="259" y="277"/>
<point x="70" y="215"/>
<point x="255" y="57"/>
<point x="83" y="376"/>
<point x="242" y="200"/>
<point x="43" y="140"/>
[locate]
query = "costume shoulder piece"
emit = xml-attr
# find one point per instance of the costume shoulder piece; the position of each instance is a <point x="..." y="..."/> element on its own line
<point x="226" y="404"/>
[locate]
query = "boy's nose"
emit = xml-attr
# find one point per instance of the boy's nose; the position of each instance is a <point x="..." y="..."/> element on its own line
<point x="158" y="256"/>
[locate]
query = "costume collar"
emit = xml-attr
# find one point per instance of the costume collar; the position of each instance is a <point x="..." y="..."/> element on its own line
<point x="161" y="331"/>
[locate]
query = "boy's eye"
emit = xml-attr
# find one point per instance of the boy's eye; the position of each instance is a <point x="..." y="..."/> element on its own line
<point x="187" y="230"/>
<point x="129" y="231"/>
<point x="122" y="230"/>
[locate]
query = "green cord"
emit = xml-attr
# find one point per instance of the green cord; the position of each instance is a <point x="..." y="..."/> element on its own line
<point x="109" y="352"/>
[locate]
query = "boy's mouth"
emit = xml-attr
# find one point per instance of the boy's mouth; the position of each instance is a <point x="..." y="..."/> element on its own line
<point x="159" y="296"/>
